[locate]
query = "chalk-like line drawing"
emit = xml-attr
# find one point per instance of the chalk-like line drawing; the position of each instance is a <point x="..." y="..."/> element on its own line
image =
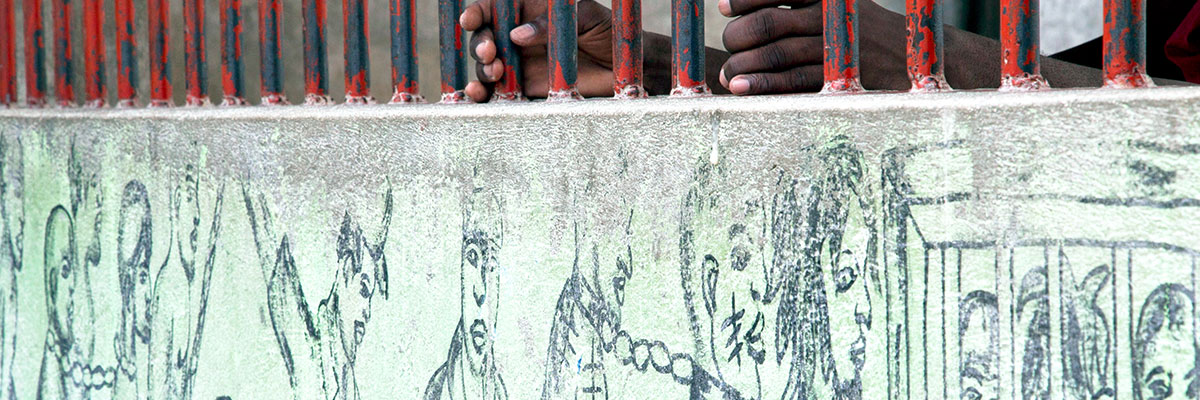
<point x="1166" y="356"/>
<point x="12" y="232"/>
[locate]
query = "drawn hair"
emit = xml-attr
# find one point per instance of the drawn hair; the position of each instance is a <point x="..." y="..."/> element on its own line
<point x="1167" y="307"/>
<point x="980" y="365"/>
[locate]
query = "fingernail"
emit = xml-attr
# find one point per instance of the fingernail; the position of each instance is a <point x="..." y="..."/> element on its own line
<point x="739" y="85"/>
<point x="493" y="70"/>
<point x="461" y="19"/>
<point x="723" y="7"/>
<point x="522" y="33"/>
<point x="479" y="48"/>
<point x="724" y="81"/>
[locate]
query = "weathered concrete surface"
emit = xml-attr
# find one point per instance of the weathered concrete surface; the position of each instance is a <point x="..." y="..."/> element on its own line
<point x="875" y="246"/>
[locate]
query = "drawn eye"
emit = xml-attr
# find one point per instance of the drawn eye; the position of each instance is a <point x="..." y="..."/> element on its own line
<point x="143" y="277"/>
<point x="65" y="268"/>
<point x="365" y="286"/>
<point x="739" y="258"/>
<point x="844" y="279"/>
<point x="971" y="394"/>
<point x="472" y="256"/>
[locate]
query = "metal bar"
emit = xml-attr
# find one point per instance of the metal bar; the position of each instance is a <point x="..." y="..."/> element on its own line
<point x="270" y="17"/>
<point x="1125" y="44"/>
<point x="562" y="50"/>
<point x="358" y="64"/>
<point x="1019" y="45"/>
<point x="93" y="54"/>
<point x="687" y="45"/>
<point x="64" y="55"/>
<point x="8" y="48"/>
<point x="841" y="46"/>
<point x="126" y="55"/>
<point x="316" y="64"/>
<point x="35" y="55"/>
<point x="507" y="15"/>
<point x="453" y="54"/>
<point x="627" y="49"/>
<point x="160" y="57"/>
<point x="233" y="80"/>
<point x="404" y="52"/>
<point x="925" y="64"/>
<point x="195" y="54"/>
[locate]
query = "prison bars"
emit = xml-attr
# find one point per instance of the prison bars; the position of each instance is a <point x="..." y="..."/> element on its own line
<point x="1123" y="43"/>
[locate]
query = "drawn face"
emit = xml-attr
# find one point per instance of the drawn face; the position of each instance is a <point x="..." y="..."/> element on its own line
<point x="979" y="369"/>
<point x="480" y="291"/>
<point x="133" y="255"/>
<point x="849" y="313"/>
<point x="1169" y="360"/>
<point x="59" y="270"/>
<point x="355" y="292"/>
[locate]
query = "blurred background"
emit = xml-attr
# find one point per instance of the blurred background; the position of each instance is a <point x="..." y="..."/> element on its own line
<point x="1064" y="23"/>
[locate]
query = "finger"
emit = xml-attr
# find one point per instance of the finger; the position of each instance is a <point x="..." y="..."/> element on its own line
<point x="489" y="73"/>
<point x="733" y="8"/>
<point x="483" y="46"/>
<point x="476" y="15"/>
<point x="479" y="92"/>
<point x="800" y="79"/>
<point x="532" y="33"/>
<point x="768" y="25"/>
<point x="787" y="53"/>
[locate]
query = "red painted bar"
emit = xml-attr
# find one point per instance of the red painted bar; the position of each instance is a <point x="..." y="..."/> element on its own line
<point x="233" y="81"/>
<point x="195" y="54"/>
<point x="316" y="64"/>
<point x="627" y="49"/>
<point x="64" y="55"/>
<point x="562" y="50"/>
<point x="841" y="46"/>
<point x="270" y="21"/>
<point x="35" y="55"/>
<point x="507" y="17"/>
<point x="1125" y="44"/>
<point x="453" y="53"/>
<point x="94" y="54"/>
<point x="926" y="68"/>
<point x="404" y="52"/>
<point x="126" y="54"/>
<point x="159" y="12"/>
<point x="687" y="45"/>
<point x="8" y="48"/>
<point x="358" y="64"/>
<point x="1019" y="45"/>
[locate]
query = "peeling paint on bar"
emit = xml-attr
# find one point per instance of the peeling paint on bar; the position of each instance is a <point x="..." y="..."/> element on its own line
<point x="35" y="55"/>
<point x="1019" y="46"/>
<point x="1125" y="44"/>
<point x="64" y="55"/>
<point x="405" y="88"/>
<point x="160" y="58"/>
<point x="841" y="47"/>
<point x="627" y="49"/>
<point x="8" y="48"/>
<point x="358" y="56"/>
<point x="126" y="54"/>
<point x="233" y="81"/>
<point x="270" y="19"/>
<point x="94" y="57"/>
<point x="562" y="50"/>
<point x="687" y="47"/>
<point x="926" y="65"/>
<point x="316" y="61"/>
<point x="453" y="54"/>
<point x="507" y="15"/>
<point x="195" y="54"/>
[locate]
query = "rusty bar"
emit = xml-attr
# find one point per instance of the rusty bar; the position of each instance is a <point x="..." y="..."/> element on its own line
<point x="1125" y="44"/>
<point x="95" y="88"/>
<point x="507" y="15"/>
<point x="316" y="64"/>
<point x="404" y="52"/>
<point x="562" y="50"/>
<point x="453" y="54"/>
<point x="35" y="55"/>
<point x="270" y="18"/>
<point x="126" y="54"/>
<point x="1019" y="45"/>
<point x="687" y="45"/>
<point x="627" y="49"/>
<point x="233" y="81"/>
<point x="64" y="55"/>
<point x="8" y="62"/>
<point x="160" y="57"/>
<point x="841" y="46"/>
<point x="925" y="63"/>
<point x="194" y="53"/>
<point x="358" y="64"/>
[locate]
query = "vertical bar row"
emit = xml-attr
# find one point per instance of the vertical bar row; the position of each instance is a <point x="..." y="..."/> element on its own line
<point x="562" y="50"/>
<point x="126" y="55"/>
<point x="358" y="76"/>
<point x="93" y="54"/>
<point x="194" y="53"/>
<point x="687" y="46"/>
<point x="64" y="55"/>
<point x="453" y="54"/>
<point x="926" y="68"/>
<point x="1125" y="44"/>
<point x="507" y="16"/>
<point x="8" y="47"/>
<point x="316" y="64"/>
<point x="627" y="49"/>
<point x="35" y="55"/>
<point x="233" y="81"/>
<point x="404" y="52"/>
<point x="270" y="16"/>
<point x="1019" y="46"/>
<point x="160" y="64"/>
<point x="841" y="46"/>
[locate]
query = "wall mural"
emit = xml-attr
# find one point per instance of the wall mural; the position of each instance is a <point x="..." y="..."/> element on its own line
<point x="856" y="280"/>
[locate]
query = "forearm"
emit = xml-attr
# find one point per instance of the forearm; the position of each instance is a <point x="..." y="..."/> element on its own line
<point x="657" y="65"/>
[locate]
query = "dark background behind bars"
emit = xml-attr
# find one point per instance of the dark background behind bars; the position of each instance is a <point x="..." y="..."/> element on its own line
<point x="976" y="15"/>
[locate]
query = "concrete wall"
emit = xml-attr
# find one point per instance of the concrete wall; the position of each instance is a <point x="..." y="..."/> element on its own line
<point x="875" y="246"/>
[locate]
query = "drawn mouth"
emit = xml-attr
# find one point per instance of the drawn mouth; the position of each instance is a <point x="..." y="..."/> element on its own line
<point x="858" y="352"/>
<point x="360" y="329"/>
<point x="478" y="335"/>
